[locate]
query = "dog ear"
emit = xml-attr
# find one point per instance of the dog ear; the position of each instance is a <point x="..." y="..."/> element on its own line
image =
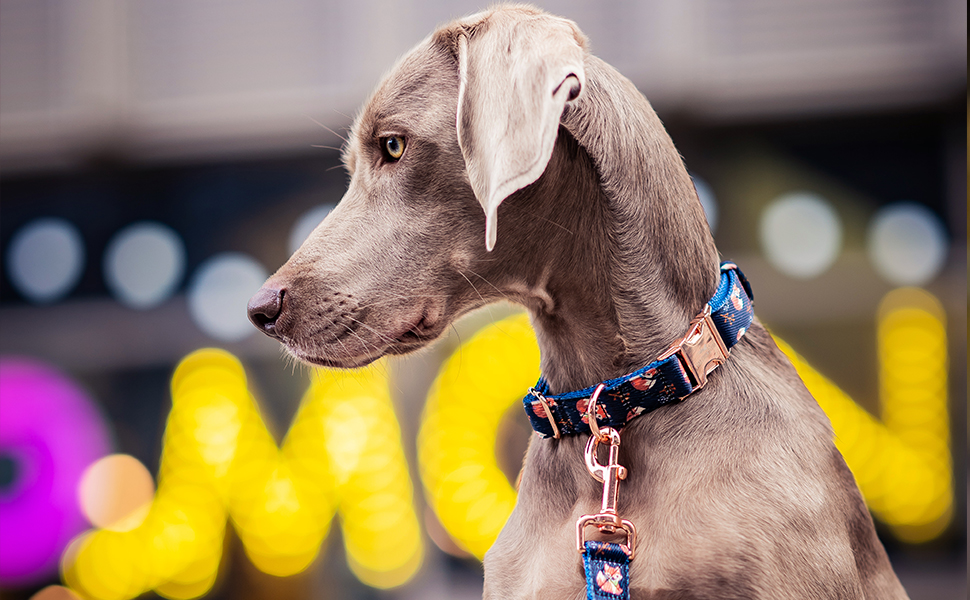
<point x="515" y="80"/>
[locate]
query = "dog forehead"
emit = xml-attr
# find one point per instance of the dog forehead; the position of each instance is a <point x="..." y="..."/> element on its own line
<point x="418" y="94"/>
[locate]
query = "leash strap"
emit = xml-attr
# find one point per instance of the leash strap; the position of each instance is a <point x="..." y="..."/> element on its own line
<point x="675" y="374"/>
<point x="607" y="568"/>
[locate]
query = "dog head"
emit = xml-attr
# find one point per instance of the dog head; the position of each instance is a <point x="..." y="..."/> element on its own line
<point x="466" y="119"/>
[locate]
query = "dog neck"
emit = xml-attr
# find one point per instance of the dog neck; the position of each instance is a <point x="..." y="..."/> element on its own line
<point x="641" y="261"/>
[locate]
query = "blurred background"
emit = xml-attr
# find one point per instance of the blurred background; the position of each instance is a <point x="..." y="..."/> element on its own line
<point x="158" y="159"/>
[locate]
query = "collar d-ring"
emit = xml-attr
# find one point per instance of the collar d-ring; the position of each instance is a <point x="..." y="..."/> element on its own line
<point x="594" y="427"/>
<point x="548" y="410"/>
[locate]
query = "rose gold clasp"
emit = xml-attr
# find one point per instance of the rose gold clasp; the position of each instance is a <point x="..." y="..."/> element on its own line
<point x="610" y="474"/>
<point x="545" y="407"/>
<point x="701" y="350"/>
<point x="594" y="425"/>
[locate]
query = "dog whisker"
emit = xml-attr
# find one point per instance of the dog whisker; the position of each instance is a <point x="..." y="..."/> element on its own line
<point x="402" y="297"/>
<point x="501" y="293"/>
<point x="348" y="117"/>
<point x="533" y="215"/>
<point x="485" y="303"/>
<point x="328" y="129"/>
<point x="374" y="331"/>
<point x="473" y="286"/>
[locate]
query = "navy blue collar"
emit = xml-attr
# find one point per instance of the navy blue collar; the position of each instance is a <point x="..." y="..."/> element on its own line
<point x="676" y="373"/>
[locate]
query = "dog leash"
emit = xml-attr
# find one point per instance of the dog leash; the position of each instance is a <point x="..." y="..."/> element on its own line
<point x="606" y="407"/>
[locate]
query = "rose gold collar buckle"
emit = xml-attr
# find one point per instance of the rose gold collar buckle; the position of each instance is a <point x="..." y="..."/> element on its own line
<point x="701" y="350"/>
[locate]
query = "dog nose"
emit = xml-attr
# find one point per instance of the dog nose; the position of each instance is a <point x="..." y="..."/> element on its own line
<point x="264" y="308"/>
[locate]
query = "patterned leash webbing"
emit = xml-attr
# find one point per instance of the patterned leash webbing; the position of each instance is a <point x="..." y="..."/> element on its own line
<point x="607" y="567"/>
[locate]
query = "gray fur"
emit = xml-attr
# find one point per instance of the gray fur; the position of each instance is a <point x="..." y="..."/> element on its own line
<point x="738" y="492"/>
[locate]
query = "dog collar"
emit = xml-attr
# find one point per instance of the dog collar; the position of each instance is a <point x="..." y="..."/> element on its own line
<point x="676" y="373"/>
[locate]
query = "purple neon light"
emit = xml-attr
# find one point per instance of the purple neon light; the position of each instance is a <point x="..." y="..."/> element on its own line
<point x="52" y="431"/>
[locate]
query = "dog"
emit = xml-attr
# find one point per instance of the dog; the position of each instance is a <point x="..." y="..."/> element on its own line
<point x="504" y="124"/>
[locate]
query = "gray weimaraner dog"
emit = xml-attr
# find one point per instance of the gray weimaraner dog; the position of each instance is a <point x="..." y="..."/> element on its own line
<point x="738" y="491"/>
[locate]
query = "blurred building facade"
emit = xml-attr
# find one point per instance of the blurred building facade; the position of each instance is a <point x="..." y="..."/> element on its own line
<point x="159" y="158"/>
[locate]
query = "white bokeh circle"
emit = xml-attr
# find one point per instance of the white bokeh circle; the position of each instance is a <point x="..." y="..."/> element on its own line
<point x="144" y="264"/>
<point x="219" y="293"/>
<point x="305" y="225"/>
<point x="45" y="259"/>
<point x="907" y="243"/>
<point x="708" y="200"/>
<point x="801" y="234"/>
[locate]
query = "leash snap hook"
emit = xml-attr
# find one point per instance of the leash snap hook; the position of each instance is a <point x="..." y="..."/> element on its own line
<point x="610" y="474"/>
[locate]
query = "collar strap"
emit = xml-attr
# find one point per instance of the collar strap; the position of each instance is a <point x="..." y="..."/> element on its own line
<point x="676" y="373"/>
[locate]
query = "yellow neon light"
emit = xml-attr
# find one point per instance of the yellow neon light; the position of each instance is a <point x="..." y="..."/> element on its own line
<point x="903" y="466"/>
<point x="456" y="445"/>
<point x="220" y="461"/>
<point x="913" y="389"/>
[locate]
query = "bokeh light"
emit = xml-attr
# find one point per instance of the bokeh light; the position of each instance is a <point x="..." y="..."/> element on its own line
<point x="219" y="292"/>
<point x="468" y="491"/>
<point x="55" y="592"/>
<point x="305" y="225"/>
<point x="360" y="432"/>
<point x="116" y="492"/>
<point x="50" y="431"/>
<point x="144" y="264"/>
<point x="907" y="244"/>
<point x="801" y="234"/>
<point x="45" y="259"/>
<point x="902" y="464"/>
<point x="343" y="454"/>
<point x="913" y="386"/>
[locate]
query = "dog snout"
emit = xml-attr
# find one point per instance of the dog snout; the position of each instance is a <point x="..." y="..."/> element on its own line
<point x="265" y="307"/>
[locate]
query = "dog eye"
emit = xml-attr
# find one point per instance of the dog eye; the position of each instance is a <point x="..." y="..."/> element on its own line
<point x="393" y="147"/>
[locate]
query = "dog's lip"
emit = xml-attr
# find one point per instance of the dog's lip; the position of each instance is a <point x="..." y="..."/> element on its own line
<point x="420" y="330"/>
<point x="357" y="362"/>
<point x="404" y="347"/>
<point x="414" y="334"/>
<point x="413" y="338"/>
<point x="343" y="363"/>
<point x="407" y="342"/>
